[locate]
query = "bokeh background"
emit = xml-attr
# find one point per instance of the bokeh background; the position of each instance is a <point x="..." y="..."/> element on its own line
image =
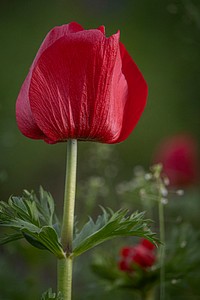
<point x="163" y="37"/>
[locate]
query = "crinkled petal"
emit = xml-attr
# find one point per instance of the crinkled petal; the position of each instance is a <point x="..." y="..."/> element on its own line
<point x="102" y="29"/>
<point x="137" y="94"/>
<point x="25" y="119"/>
<point x="77" y="88"/>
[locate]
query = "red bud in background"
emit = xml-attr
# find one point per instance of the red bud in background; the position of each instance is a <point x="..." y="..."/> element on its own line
<point x="142" y="254"/>
<point x="179" y="158"/>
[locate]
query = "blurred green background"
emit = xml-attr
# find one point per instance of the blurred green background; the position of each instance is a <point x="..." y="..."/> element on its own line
<point x="163" y="37"/>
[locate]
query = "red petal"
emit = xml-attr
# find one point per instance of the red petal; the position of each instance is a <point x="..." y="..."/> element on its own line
<point x="25" y="119"/>
<point x="137" y="94"/>
<point x="179" y="157"/>
<point x="143" y="257"/>
<point x="102" y="29"/>
<point x="147" y="244"/>
<point x="77" y="89"/>
<point x="124" y="265"/>
<point x="126" y="251"/>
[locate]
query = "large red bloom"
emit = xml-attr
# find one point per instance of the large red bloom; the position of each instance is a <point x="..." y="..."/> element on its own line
<point x="81" y="85"/>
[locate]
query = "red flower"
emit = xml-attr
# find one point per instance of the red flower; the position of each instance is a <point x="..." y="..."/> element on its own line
<point x="147" y="244"/>
<point x="81" y="85"/>
<point x="178" y="156"/>
<point x="141" y="254"/>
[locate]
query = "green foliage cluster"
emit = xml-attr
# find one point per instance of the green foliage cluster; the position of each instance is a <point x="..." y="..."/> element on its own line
<point x="182" y="265"/>
<point x="48" y="295"/>
<point x="34" y="219"/>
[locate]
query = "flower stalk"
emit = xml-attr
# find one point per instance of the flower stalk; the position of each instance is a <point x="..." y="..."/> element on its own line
<point x="162" y="248"/>
<point x="65" y="265"/>
<point x="148" y="295"/>
<point x="161" y="202"/>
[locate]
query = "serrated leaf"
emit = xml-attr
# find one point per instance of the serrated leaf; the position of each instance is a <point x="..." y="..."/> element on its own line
<point x="34" y="241"/>
<point x="110" y="225"/>
<point x="33" y="219"/>
<point x="47" y="206"/>
<point x="49" y="238"/>
<point x="48" y="295"/>
<point x="7" y="238"/>
<point x="46" y="238"/>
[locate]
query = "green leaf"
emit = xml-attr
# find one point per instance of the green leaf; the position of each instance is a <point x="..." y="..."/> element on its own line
<point x="46" y="238"/>
<point x="50" y="295"/>
<point x="110" y="225"/>
<point x="47" y="206"/>
<point x="105" y="266"/>
<point x="34" y="219"/>
<point x="7" y="238"/>
<point x="34" y="241"/>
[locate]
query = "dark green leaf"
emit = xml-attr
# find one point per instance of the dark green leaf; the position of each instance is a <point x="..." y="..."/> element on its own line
<point x="7" y="238"/>
<point x="51" y="295"/>
<point x="46" y="238"/>
<point x="34" y="241"/>
<point x="49" y="238"/>
<point x="110" y="225"/>
<point x="105" y="266"/>
<point x="34" y="219"/>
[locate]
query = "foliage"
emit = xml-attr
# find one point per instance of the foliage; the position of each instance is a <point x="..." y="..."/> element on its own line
<point x="35" y="220"/>
<point x="182" y="267"/>
<point x="140" y="281"/>
<point x="110" y="225"/>
<point x="31" y="218"/>
<point x="183" y="246"/>
<point x="182" y="262"/>
<point x="50" y="295"/>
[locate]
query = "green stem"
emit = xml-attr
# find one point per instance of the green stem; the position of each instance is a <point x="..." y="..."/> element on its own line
<point x="162" y="248"/>
<point x="65" y="277"/>
<point x="148" y="295"/>
<point x="65" y="264"/>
